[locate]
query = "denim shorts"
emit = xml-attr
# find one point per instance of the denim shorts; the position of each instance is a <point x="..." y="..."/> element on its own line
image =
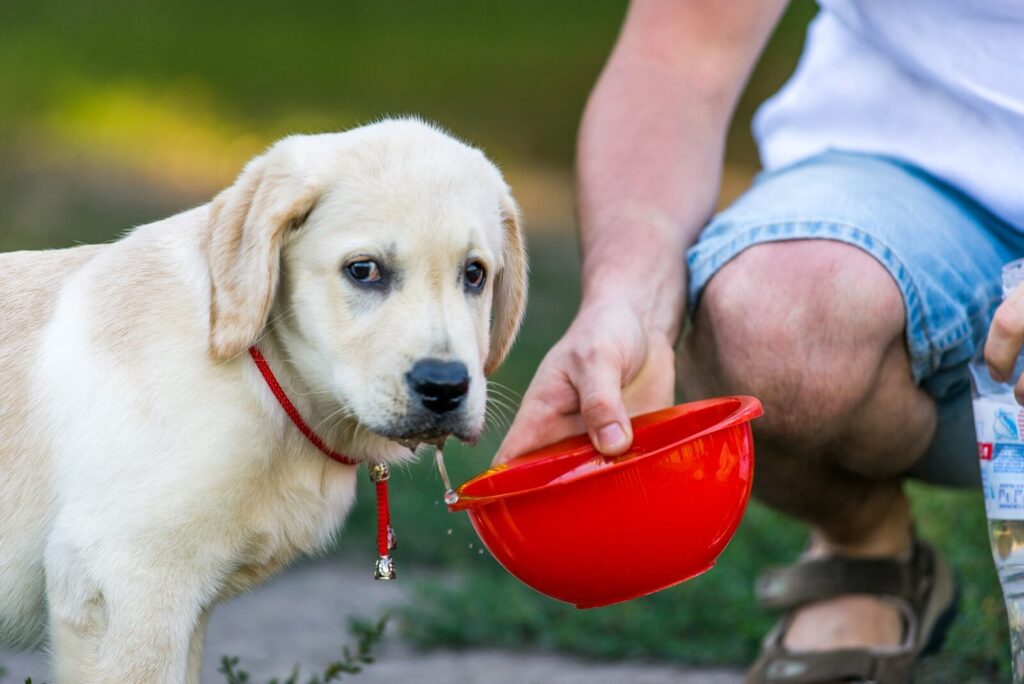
<point x="944" y="250"/>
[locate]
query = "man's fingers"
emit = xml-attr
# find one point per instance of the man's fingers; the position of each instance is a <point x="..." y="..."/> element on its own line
<point x="604" y="413"/>
<point x="1006" y="337"/>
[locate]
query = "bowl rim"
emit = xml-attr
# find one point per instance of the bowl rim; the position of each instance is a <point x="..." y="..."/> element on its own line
<point x="747" y="408"/>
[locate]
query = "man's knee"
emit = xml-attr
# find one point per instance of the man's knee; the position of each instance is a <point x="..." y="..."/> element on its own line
<point x="802" y="325"/>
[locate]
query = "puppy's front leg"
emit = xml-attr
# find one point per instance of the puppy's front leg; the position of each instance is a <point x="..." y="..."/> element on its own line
<point x="147" y="639"/>
<point x="195" y="649"/>
<point x="134" y="627"/>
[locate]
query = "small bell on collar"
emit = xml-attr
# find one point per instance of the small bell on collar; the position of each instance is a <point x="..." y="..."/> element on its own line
<point x="385" y="569"/>
<point x="379" y="472"/>
<point x="386" y="541"/>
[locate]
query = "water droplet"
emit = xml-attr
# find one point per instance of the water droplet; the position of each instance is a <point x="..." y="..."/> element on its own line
<point x="449" y="530"/>
<point x="480" y="552"/>
<point x="451" y="497"/>
<point x="470" y="544"/>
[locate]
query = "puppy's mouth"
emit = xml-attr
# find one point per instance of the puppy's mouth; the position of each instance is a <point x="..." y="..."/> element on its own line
<point x="413" y="442"/>
<point x="412" y="433"/>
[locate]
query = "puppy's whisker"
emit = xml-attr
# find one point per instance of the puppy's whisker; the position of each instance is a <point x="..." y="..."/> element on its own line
<point x="492" y="392"/>
<point x="314" y="393"/>
<point x="508" y="402"/>
<point x="504" y="407"/>
<point x="504" y="401"/>
<point x="501" y="418"/>
<point x="498" y="407"/>
<point x="501" y="406"/>
<point x="496" y="419"/>
<point x="496" y="393"/>
<point x="342" y="411"/>
<point x="356" y="430"/>
<point x="502" y="389"/>
<point x="495" y="385"/>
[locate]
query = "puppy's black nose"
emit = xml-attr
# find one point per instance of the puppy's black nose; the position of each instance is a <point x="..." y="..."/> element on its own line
<point x="440" y="385"/>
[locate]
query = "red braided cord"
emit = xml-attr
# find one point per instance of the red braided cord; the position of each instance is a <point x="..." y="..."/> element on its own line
<point x="383" y="518"/>
<point x="383" y="513"/>
<point x="293" y="412"/>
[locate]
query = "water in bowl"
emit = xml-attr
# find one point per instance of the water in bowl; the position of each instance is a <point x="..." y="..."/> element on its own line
<point x="593" y="465"/>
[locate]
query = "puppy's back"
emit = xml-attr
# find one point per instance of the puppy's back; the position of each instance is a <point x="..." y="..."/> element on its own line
<point x="29" y="285"/>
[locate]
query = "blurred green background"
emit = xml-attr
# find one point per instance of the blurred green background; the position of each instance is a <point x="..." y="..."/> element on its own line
<point x="113" y="114"/>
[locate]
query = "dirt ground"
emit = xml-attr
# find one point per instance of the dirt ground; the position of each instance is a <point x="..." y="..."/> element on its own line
<point x="300" y="617"/>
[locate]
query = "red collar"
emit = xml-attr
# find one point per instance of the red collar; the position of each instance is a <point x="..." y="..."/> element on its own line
<point x="379" y="472"/>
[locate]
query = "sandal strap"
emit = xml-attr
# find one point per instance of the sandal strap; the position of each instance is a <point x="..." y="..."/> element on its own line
<point x="816" y="579"/>
<point x="850" y="665"/>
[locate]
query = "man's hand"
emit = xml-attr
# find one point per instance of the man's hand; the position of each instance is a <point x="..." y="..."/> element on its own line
<point x="1005" y="340"/>
<point x="606" y="368"/>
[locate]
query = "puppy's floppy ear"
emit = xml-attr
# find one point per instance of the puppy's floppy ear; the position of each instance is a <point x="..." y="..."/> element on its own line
<point x="247" y="227"/>
<point x="510" y="285"/>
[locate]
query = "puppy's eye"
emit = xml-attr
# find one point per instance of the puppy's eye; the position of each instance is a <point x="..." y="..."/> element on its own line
<point x="475" y="275"/>
<point x="364" y="271"/>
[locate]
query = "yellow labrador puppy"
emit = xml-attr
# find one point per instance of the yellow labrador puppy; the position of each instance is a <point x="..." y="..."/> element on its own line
<point x="147" y="470"/>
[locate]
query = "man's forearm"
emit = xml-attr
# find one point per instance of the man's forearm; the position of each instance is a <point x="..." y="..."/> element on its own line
<point x="649" y="169"/>
<point x="651" y="147"/>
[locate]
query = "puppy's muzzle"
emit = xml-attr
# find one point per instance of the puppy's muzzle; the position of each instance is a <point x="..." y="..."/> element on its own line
<point x="439" y="386"/>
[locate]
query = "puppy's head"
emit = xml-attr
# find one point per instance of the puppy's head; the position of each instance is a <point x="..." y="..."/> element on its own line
<point x="388" y="260"/>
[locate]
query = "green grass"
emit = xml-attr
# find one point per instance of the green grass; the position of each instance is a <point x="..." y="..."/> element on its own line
<point x="352" y="661"/>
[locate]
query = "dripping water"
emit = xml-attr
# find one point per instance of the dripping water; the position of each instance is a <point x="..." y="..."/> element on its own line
<point x="450" y="497"/>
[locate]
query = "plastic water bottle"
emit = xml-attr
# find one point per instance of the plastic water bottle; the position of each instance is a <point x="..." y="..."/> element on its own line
<point x="999" y="423"/>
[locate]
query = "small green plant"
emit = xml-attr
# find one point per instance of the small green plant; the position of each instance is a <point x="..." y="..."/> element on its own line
<point x="233" y="676"/>
<point x="352" y="661"/>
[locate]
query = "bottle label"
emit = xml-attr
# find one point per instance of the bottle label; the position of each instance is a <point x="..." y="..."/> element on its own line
<point x="1000" y="430"/>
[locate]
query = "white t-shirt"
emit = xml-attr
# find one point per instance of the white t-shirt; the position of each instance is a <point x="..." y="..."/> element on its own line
<point x="937" y="83"/>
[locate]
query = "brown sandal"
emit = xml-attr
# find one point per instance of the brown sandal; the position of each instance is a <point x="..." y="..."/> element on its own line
<point x="919" y="584"/>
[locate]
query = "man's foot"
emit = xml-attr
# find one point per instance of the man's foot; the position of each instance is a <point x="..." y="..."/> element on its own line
<point x="850" y="618"/>
<point x="856" y="621"/>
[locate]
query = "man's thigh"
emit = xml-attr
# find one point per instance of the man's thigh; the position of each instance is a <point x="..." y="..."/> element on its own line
<point x="943" y="252"/>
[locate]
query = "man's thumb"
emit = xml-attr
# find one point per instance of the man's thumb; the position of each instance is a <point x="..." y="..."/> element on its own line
<point x="604" y="413"/>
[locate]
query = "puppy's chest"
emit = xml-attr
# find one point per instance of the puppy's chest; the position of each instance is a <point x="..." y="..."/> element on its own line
<point x="296" y="512"/>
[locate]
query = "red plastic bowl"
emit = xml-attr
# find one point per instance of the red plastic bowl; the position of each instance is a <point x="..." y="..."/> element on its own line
<point x="592" y="531"/>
